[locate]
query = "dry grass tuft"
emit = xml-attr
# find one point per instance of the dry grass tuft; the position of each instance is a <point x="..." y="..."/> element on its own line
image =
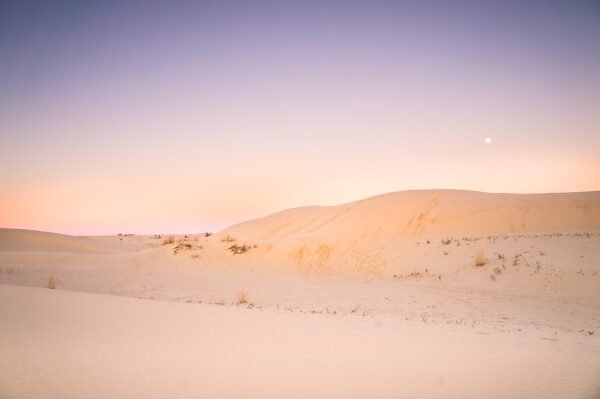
<point x="51" y="283"/>
<point x="238" y="249"/>
<point x="479" y="259"/>
<point x="242" y="298"/>
<point x="170" y="239"/>
<point x="181" y="247"/>
<point x="228" y="239"/>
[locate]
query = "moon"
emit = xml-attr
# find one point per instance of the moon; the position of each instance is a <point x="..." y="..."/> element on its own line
<point x="488" y="140"/>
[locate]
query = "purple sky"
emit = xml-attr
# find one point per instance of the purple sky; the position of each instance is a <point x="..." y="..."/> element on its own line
<point x="185" y="116"/>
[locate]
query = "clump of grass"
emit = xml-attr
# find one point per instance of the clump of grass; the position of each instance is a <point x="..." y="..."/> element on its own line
<point x="51" y="283"/>
<point x="242" y="298"/>
<point x="446" y="241"/>
<point x="238" y="249"/>
<point x="207" y="234"/>
<point x="227" y="239"/>
<point x="181" y="247"/>
<point x="479" y="258"/>
<point x="170" y="239"/>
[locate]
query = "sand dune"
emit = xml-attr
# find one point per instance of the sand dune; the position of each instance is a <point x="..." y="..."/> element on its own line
<point x="430" y="213"/>
<point x="376" y="236"/>
<point x="17" y="240"/>
<point x="380" y="297"/>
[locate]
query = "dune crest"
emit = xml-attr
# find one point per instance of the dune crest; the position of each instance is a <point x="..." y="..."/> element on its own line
<point x="430" y="213"/>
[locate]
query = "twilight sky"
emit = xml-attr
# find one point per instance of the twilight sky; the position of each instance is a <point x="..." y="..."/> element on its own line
<point x="152" y="117"/>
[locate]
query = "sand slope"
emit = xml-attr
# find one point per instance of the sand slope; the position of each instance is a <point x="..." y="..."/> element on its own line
<point x="18" y="240"/>
<point x="58" y="344"/>
<point x="376" y="237"/>
<point x="430" y="213"/>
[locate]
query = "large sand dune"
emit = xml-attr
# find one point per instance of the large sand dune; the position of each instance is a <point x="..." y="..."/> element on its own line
<point x="376" y="236"/>
<point x="430" y="213"/>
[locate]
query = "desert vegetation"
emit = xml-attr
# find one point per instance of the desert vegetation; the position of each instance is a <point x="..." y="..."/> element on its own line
<point x="170" y="239"/>
<point x="479" y="257"/>
<point x="181" y="247"/>
<point x="51" y="283"/>
<point x="238" y="249"/>
<point x="242" y="298"/>
<point x="227" y="239"/>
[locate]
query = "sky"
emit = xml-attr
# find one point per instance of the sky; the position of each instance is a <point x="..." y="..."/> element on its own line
<point x="153" y="117"/>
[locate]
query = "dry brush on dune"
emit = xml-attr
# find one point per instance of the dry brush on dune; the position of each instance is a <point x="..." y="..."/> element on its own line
<point x="479" y="257"/>
<point x="51" y="283"/>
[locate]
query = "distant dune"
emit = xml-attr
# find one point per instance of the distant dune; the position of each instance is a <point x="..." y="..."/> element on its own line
<point x="17" y="240"/>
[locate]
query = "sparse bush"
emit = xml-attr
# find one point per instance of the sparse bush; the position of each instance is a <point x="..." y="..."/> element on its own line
<point x="181" y="247"/>
<point x="501" y="257"/>
<point x="446" y="241"/>
<point x="170" y="239"/>
<point x="516" y="260"/>
<point x="479" y="258"/>
<point x="51" y="283"/>
<point x="242" y="298"/>
<point x="238" y="249"/>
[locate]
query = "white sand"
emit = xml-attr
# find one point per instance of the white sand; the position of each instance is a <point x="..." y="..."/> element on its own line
<point x="377" y="298"/>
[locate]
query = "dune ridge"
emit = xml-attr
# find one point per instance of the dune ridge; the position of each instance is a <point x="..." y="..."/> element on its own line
<point x="431" y="213"/>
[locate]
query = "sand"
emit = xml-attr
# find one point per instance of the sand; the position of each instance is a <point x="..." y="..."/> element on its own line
<point x="376" y="298"/>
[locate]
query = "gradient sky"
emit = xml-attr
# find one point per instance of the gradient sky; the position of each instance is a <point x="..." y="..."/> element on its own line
<point x="152" y="117"/>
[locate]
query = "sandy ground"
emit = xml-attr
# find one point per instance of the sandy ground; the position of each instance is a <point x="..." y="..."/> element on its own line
<point x="60" y="344"/>
<point x="377" y="298"/>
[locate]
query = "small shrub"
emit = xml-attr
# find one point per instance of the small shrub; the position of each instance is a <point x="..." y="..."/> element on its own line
<point x="242" y="298"/>
<point x="238" y="249"/>
<point x="170" y="239"/>
<point x="181" y="247"/>
<point x="479" y="259"/>
<point x="51" y="283"/>
<point x="446" y="241"/>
